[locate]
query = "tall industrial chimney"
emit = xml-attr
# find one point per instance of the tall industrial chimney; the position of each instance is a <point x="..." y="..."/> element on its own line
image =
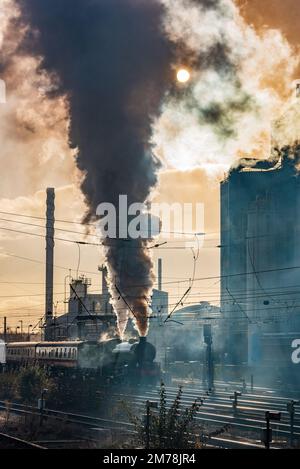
<point x="49" y="263"/>
<point x="159" y="274"/>
<point x="103" y="269"/>
<point x="105" y="291"/>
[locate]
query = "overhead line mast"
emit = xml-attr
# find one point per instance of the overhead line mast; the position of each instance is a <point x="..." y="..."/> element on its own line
<point x="49" y="262"/>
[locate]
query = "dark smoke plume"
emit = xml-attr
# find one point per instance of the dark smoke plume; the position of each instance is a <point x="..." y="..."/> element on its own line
<point x="112" y="62"/>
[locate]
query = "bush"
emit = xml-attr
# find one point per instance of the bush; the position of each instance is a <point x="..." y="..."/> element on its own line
<point x="169" y="428"/>
<point x="8" y="386"/>
<point x="31" y="381"/>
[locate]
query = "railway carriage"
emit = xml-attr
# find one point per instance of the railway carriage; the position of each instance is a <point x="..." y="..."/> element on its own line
<point x="113" y="360"/>
<point x="21" y="352"/>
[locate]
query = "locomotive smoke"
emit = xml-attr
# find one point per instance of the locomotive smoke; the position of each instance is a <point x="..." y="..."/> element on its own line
<point x="111" y="62"/>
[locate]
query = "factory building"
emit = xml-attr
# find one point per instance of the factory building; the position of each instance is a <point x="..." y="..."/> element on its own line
<point x="88" y="315"/>
<point x="91" y="315"/>
<point x="260" y="259"/>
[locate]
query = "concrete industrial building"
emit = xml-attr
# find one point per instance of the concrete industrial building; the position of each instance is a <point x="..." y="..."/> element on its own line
<point x="260" y="256"/>
<point x="91" y="315"/>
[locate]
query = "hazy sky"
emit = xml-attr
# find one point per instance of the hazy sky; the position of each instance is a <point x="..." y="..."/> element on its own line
<point x="35" y="154"/>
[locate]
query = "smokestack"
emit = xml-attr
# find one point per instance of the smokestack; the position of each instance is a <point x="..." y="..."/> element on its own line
<point x="103" y="269"/>
<point x="159" y="274"/>
<point x="49" y="261"/>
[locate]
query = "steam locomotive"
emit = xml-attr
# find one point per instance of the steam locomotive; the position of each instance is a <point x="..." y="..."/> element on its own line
<point x="112" y="360"/>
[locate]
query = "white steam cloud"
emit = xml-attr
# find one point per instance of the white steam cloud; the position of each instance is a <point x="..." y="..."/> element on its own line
<point x="34" y="140"/>
<point x="239" y="82"/>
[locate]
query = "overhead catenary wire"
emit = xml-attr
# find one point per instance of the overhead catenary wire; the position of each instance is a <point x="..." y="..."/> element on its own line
<point x="125" y="301"/>
<point x="93" y="224"/>
<point x="220" y="317"/>
<point x="235" y="300"/>
<point x="174" y="282"/>
<point x="208" y="295"/>
<point x="239" y="306"/>
<point x="81" y="223"/>
<point x="80" y="300"/>
<point x="85" y="234"/>
<point x="186" y="280"/>
<point x="264" y="310"/>
<point x="109" y="242"/>
<point x="186" y="294"/>
<point x="177" y="304"/>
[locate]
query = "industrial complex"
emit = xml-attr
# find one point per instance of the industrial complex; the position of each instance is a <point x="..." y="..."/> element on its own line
<point x="149" y="227"/>
<point x="259" y="262"/>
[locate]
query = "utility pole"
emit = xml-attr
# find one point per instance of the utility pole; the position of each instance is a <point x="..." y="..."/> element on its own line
<point x="267" y="436"/>
<point x="159" y="274"/>
<point x="252" y="383"/>
<point x="105" y="289"/>
<point x="5" y="329"/>
<point x="209" y="357"/>
<point x="49" y="262"/>
<point x="235" y="396"/>
<point x="28" y="333"/>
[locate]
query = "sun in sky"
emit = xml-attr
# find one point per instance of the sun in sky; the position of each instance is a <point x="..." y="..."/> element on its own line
<point x="183" y="75"/>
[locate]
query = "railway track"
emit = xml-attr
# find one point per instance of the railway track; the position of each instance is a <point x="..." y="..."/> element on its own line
<point x="97" y="424"/>
<point x="11" y="442"/>
<point x="216" y="411"/>
<point x="69" y="417"/>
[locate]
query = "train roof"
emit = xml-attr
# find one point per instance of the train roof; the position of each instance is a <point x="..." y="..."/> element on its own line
<point x="64" y="343"/>
<point x="21" y="344"/>
<point x="46" y="344"/>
